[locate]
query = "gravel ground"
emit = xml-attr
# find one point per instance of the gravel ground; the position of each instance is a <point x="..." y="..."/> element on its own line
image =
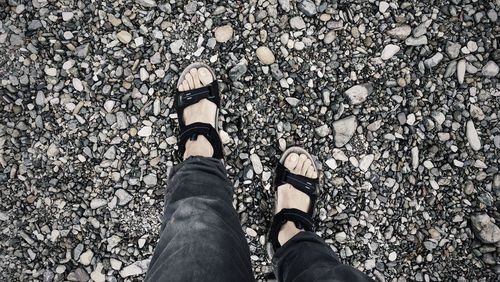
<point x="398" y="100"/>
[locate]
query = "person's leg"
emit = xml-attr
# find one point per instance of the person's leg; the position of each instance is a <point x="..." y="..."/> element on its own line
<point x="303" y="255"/>
<point x="201" y="237"/>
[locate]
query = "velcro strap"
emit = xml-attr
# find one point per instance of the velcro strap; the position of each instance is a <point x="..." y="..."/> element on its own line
<point x="185" y="99"/>
<point x="302" y="220"/>
<point x="191" y="132"/>
<point x="302" y="183"/>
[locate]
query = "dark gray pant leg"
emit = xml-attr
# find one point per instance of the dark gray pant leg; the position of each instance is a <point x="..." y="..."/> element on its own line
<point x="306" y="257"/>
<point x="201" y="237"/>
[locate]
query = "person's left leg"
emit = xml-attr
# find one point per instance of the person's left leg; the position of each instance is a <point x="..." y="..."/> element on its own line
<point x="201" y="237"/>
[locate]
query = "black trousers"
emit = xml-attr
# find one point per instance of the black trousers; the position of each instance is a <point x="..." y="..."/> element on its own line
<point x="202" y="240"/>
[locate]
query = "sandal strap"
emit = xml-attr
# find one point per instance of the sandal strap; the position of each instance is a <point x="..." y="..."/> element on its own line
<point x="191" y="132"/>
<point x="299" y="182"/>
<point x="184" y="99"/>
<point x="301" y="219"/>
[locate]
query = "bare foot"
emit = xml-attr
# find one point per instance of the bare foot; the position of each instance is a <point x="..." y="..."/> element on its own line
<point x="203" y="111"/>
<point x="289" y="197"/>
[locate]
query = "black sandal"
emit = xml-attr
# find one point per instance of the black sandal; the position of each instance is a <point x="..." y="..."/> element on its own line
<point x="303" y="220"/>
<point x="187" y="98"/>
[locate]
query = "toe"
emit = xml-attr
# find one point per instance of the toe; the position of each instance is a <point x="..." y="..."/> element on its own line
<point x="291" y="161"/>
<point x="190" y="81"/>
<point x="196" y="78"/>
<point x="205" y="76"/>
<point x="181" y="87"/>
<point x="185" y="85"/>
<point x="311" y="172"/>
<point x="305" y="167"/>
<point x="300" y="163"/>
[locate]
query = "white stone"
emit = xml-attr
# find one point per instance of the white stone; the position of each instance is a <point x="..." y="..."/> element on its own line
<point x="67" y="16"/>
<point x="77" y="84"/>
<point x="124" y="36"/>
<point x="383" y="6"/>
<point x="490" y="69"/>
<point x="108" y="105"/>
<point x="358" y="93"/>
<point x="176" y="46"/>
<point x="97" y="203"/>
<point x="366" y="161"/>
<point x="414" y="157"/>
<point x="389" y="51"/>
<point x="392" y="256"/>
<point x="115" y="264"/>
<point x="339" y="155"/>
<point x="223" y="33"/>
<point x="331" y="163"/>
<point x="137" y="268"/>
<point x="139" y="41"/>
<point x="461" y="66"/>
<point x="150" y="179"/>
<point x="341" y="237"/>
<point x="143" y="74"/>
<point x="257" y="165"/>
<point x="472" y="136"/>
<point x="50" y="71"/>
<point x="97" y="275"/>
<point x="344" y="130"/>
<point x="86" y="257"/>
<point x="265" y="55"/>
<point x="251" y="232"/>
<point x="68" y="64"/>
<point x="145" y="131"/>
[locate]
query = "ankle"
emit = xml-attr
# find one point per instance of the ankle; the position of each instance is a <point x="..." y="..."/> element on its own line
<point x="200" y="147"/>
<point x="287" y="232"/>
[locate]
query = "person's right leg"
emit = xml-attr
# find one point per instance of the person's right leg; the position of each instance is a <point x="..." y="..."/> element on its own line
<point x="303" y="255"/>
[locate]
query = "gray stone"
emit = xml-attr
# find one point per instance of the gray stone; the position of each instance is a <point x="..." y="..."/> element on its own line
<point x="150" y="180"/>
<point x="297" y="23"/>
<point x="400" y="32"/>
<point x="285" y="5"/>
<point x="485" y="229"/>
<point x="123" y="196"/>
<point x="472" y="136"/>
<point x="110" y="153"/>
<point x="453" y="49"/>
<point x="307" y="7"/>
<point x="434" y="60"/>
<point x="147" y="3"/>
<point x="344" y="129"/>
<point x="411" y="41"/>
<point x="237" y="71"/>
<point x="322" y="131"/>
